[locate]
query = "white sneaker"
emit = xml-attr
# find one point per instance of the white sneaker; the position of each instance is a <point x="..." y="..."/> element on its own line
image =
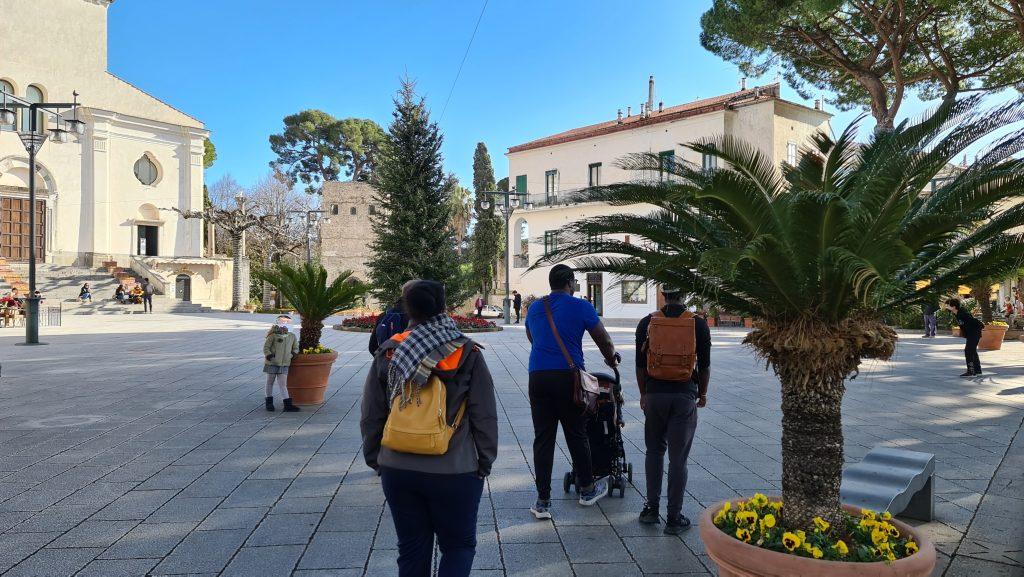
<point x="541" y="509"/>
<point x="600" y="490"/>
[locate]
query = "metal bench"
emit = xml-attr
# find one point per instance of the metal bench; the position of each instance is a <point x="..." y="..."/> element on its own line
<point x="893" y="480"/>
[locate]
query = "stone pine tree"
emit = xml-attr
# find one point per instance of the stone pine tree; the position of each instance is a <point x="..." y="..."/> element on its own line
<point x="489" y="233"/>
<point x="413" y="234"/>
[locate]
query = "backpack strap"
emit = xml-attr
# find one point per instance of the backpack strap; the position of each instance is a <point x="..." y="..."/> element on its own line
<point x="558" y="337"/>
<point x="460" y="412"/>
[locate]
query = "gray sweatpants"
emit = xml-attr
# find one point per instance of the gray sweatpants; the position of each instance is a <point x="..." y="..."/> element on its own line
<point x="282" y="385"/>
<point x="671" y="421"/>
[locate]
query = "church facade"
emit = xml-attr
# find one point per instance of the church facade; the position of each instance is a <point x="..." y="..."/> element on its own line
<point x="106" y="195"/>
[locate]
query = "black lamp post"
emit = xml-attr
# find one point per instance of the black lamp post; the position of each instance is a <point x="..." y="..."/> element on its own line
<point x="33" y="141"/>
<point x="311" y="219"/>
<point x="505" y="202"/>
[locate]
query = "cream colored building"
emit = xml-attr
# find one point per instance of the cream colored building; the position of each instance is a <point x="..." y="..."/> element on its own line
<point x="550" y="169"/>
<point x="105" y="195"/>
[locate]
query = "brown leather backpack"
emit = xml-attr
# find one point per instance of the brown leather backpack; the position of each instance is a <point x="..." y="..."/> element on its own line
<point x="671" y="347"/>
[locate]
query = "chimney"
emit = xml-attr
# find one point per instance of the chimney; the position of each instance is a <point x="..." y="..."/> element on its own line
<point x="629" y="111"/>
<point x="619" y="117"/>
<point x="817" y="104"/>
<point x="743" y="83"/>
<point x="661" y="106"/>
<point x="650" y="94"/>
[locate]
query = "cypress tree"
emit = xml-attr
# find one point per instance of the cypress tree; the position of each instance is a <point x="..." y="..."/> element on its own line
<point x="413" y="236"/>
<point x="489" y="233"/>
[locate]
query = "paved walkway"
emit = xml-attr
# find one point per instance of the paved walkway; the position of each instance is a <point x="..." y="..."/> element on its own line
<point x="139" y="445"/>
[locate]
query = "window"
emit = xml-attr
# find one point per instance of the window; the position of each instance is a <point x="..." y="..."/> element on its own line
<point x="593" y="240"/>
<point x="634" y="292"/>
<point x="33" y="94"/>
<point x="521" y="184"/>
<point x="550" y="241"/>
<point x="594" y="174"/>
<point x="551" y="186"/>
<point x="8" y="88"/>
<point x="372" y="209"/>
<point x="791" y="153"/>
<point x="353" y="211"/>
<point x="709" y="162"/>
<point x="334" y="209"/>
<point x="666" y="164"/>
<point x="146" y="170"/>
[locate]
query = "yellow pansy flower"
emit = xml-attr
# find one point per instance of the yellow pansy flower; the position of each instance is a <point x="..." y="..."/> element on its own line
<point x="867" y="524"/>
<point x="892" y="531"/>
<point x="801" y="534"/>
<point x="719" y="518"/>
<point x="867" y="514"/>
<point x="911" y="547"/>
<point x="769" y="520"/>
<point x="791" y="541"/>
<point x="727" y="507"/>
<point x="879" y="536"/>
<point x="817" y="553"/>
<point x="806" y="547"/>
<point x="743" y="535"/>
<point x="821" y="524"/>
<point x="741" y="505"/>
<point x="886" y="515"/>
<point x="841" y="548"/>
<point x="777" y="505"/>
<point x="759" y="500"/>
<point x="746" y="518"/>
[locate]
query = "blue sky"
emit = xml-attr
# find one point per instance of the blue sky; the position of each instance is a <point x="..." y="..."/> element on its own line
<point x="535" y="68"/>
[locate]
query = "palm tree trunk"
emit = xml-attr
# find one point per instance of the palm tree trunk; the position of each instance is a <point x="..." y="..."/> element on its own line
<point x="812" y="443"/>
<point x="309" y="334"/>
<point x="982" y="292"/>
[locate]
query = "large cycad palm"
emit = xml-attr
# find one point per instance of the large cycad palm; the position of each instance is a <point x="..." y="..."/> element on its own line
<point x="817" y="252"/>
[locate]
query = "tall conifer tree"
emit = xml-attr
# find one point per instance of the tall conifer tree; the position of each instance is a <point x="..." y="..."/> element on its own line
<point x="488" y="234"/>
<point x="413" y="236"/>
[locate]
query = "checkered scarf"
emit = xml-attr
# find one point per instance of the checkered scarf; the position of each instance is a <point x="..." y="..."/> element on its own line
<point x="414" y="358"/>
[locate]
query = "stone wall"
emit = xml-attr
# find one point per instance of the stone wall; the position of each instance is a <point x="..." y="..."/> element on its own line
<point x="345" y="239"/>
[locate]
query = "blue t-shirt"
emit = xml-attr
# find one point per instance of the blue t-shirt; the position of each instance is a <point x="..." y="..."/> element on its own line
<point x="573" y="316"/>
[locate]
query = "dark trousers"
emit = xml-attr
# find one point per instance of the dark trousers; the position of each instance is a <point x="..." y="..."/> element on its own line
<point x="930" y="325"/>
<point x="971" y="354"/>
<point x="479" y="312"/>
<point x="147" y="303"/>
<point x="670" y="423"/>
<point x="550" y="404"/>
<point x="517" y="314"/>
<point x="427" y="504"/>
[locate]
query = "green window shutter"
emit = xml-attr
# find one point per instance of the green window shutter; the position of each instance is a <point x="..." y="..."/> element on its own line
<point x="666" y="164"/>
<point x="521" y="184"/>
<point x="550" y="241"/>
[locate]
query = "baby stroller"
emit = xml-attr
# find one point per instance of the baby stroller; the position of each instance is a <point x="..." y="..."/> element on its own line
<point x="604" y="431"/>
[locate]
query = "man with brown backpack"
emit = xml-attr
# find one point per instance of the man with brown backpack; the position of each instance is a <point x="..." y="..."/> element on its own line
<point x="673" y="360"/>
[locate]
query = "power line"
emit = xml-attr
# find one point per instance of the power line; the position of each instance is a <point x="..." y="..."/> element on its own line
<point x="464" y="56"/>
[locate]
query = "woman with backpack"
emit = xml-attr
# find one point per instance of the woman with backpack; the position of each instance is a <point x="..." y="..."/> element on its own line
<point x="278" y="349"/>
<point x="433" y="480"/>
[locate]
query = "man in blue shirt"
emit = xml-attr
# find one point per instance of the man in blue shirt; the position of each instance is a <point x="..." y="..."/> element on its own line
<point x="551" y="385"/>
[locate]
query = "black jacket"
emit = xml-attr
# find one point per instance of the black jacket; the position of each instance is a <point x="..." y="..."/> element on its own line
<point x="970" y="327"/>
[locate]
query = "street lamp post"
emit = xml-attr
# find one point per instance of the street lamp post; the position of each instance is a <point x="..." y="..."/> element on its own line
<point x="310" y="221"/>
<point x="33" y="141"/>
<point x="509" y="201"/>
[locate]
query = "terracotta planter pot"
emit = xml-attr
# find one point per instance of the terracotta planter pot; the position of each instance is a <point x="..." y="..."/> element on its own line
<point x="738" y="559"/>
<point x="992" y="337"/>
<point x="307" y="377"/>
<point x="748" y="323"/>
<point x="712" y="322"/>
<point x="955" y="331"/>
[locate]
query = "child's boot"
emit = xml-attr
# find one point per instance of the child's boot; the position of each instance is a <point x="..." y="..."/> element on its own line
<point x="270" y="404"/>
<point x="289" y="407"/>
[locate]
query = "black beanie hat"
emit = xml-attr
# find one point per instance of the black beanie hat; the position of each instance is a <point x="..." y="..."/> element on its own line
<point x="424" y="299"/>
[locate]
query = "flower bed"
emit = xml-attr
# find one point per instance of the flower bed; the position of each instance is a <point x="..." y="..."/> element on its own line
<point x="866" y="539"/>
<point x="466" y="324"/>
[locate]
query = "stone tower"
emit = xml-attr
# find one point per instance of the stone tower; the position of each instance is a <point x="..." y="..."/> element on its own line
<point x="345" y="240"/>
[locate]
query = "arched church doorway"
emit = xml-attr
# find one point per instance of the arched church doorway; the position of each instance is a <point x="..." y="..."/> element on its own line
<point x="183" y="287"/>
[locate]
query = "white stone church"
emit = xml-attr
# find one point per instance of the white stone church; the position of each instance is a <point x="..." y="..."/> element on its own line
<point x="102" y="196"/>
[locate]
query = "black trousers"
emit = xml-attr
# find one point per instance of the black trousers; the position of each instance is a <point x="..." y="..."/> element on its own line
<point x="517" y="314"/>
<point x="971" y="354"/>
<point x="147" y="303"/>
<point x="425" y="504"/>
<point x="670" y="422"/>
<point x="550" y="404"/>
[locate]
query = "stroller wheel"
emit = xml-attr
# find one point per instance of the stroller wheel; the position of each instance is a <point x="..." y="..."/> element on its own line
<point x="629" y="473"/>
<point x="567" y="482"/>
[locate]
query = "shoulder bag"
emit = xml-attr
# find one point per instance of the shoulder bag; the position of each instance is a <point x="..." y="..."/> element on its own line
<point x="585" y="386"/>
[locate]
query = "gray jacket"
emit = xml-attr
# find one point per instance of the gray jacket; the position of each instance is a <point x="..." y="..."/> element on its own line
<point x="474" y="445"/>
<point x="280" y="347"/>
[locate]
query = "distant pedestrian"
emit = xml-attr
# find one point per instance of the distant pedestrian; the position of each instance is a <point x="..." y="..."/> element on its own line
<point x="85" y="294"/>
<point x="673" y="369"/>
<point x="517" y="304"/>
<point x="931" y="323"/>
<point x="555" y="327"/>
<point x="147" y="295"/>
<point x="479" y="304"/>
<point x="390" y="322"/>
<point x="430" y="491"/>
<point x="970" y="329"/>
<point x="120" y="295"/>
<point x="278" y="349"/>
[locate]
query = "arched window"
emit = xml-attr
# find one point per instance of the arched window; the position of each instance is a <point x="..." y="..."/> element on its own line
<point x="33" y="94"/>
<point x="352" y="211"/>
<point x="521" y="243"/>
<point x="8" y="88"/>
<point x="334" y="209"/>
<point x="146" y="170"/>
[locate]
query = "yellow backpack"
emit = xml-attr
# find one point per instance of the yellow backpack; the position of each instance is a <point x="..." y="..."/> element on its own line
<point x="422" y="427"/>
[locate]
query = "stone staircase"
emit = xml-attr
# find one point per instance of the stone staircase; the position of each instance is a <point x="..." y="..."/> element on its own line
<point x="61" y="284"/>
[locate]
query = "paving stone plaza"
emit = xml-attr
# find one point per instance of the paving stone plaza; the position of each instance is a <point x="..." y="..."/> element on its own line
<point x="138" y="445"/>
